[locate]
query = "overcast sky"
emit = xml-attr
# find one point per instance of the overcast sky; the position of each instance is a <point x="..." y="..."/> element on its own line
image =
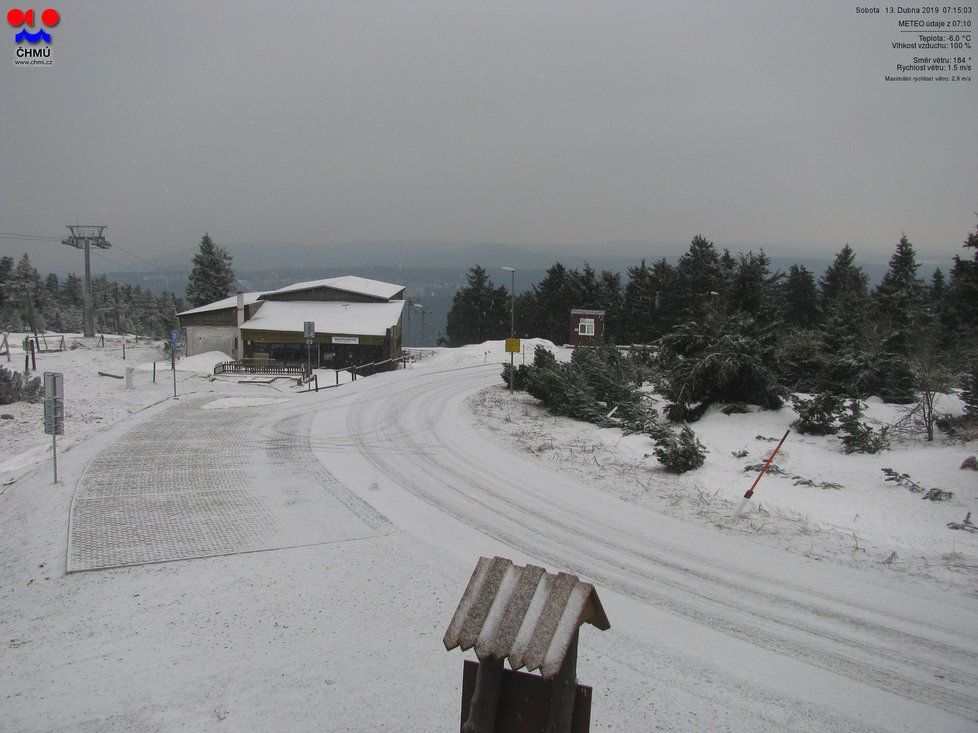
<point x="566" y="123"/>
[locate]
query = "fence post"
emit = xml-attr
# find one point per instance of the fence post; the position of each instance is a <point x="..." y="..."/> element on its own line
<point x="154" y="372"/>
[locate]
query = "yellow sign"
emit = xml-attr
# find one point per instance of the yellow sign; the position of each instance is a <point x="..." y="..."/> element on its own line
<point x="512" y="346"/>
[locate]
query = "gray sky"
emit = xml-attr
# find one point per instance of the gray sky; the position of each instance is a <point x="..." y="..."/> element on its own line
<point x="561" y="123"/>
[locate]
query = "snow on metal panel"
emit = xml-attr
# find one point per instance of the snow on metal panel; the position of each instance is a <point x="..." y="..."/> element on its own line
<point x="249" y="299"/>
<point x="349" y="284"/>
<point x="355" y="319"/>
<point x="523" y="614"/>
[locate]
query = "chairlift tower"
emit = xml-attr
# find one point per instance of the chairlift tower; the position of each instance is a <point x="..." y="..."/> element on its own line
<point x="86" y="237"/>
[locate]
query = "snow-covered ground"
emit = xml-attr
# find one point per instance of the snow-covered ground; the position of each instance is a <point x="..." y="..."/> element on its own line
<point x="367" y="508"/>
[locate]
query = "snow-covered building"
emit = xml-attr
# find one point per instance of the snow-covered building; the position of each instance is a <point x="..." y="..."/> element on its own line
<point x="357" y="321"/>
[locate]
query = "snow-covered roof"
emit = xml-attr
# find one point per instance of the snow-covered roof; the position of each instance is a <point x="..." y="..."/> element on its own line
<point x="217" y="305"/>
<point x="354" y="319"/>
<point x="349" y="284"/>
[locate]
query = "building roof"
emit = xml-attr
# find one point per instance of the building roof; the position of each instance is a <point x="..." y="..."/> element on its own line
<point x="334" y="317"/>
<point x="218" y="305"/>
<point x="348" y="284"/>
<point x="523" y="614"/>
<point x="585" y="312"/>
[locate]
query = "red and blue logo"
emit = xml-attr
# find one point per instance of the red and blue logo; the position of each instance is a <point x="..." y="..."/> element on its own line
<point x="18" y="18"/>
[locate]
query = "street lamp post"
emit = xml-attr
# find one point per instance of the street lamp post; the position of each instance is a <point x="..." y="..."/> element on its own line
<point x="512" y="324"/>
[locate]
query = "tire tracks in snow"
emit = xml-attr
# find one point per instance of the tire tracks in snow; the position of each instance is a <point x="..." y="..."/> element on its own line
<point x="815" y="632"/>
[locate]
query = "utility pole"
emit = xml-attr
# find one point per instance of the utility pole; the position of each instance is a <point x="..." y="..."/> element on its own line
<point x="85" y="237"/>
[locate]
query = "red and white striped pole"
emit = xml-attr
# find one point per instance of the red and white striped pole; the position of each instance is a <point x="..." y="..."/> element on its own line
<point x="750" y="491"/>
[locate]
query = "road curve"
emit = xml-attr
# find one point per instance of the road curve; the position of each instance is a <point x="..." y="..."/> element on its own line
<point x="785" y="641"/>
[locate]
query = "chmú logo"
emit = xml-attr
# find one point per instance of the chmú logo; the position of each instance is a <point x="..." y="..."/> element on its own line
<point x="33" y="42"/>
<point x="17" y="18"/>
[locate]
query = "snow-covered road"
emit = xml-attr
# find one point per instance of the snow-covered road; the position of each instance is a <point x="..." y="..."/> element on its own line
<point x="781" y="638"/>
<point x="382" y="494"/>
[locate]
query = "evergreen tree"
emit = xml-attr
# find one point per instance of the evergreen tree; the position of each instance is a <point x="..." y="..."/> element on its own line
<point x="962" y="298"/>
<point x="700" y="277"/>
<point x="725" y="357"/>
<point x="898" y="303"/>
<point x="552" y="301"/>
<point x="751" y="289"/>
<point x="648" y="302"/>
<point x="480" y="311"/>
<point x="899" y="297"/>
<point x="800" y="298"/>
<point x="844" y="300"/>
<point x="26" y="290"/>
<point x="6" y="273"/>
<point x="211" y="277"/>
<point x="608" y="297"/>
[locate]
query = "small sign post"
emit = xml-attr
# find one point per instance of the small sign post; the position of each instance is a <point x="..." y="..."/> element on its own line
<point x="512" y="348"/>
<point x="54" y="412"/>
<point x="309" y="331"/>
<point x="174" y="340"/>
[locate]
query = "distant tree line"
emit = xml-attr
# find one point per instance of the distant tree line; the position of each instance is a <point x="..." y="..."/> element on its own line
<point x="725" y="328"/>
<point x="29" y="302"/>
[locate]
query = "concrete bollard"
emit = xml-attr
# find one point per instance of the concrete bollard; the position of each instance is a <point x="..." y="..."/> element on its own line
<point x="129" y="373"/>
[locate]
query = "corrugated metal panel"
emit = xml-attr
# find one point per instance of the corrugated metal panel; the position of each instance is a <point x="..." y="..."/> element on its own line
<point x="523" y="614"/>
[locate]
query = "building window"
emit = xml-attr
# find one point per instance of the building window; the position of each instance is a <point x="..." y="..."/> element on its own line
<point x="585" y="327"/>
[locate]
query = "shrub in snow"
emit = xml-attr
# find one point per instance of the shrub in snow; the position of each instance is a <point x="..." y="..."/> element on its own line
<point x="519" y="378"/>
<point x="596" y="381"/>
<point x="14" y="387"/>
<point x="679" y="453"/>
<point x="819" y="415"/>
<point x="852" y="373"/>
<point x="858" y="437"/>
<point x="720" y="359"/>
<point x="544" y="358"/>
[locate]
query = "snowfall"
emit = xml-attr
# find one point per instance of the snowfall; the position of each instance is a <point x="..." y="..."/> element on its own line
<point x="249" y="555"/>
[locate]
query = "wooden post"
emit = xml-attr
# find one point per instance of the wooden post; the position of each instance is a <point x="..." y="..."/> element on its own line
<point x="154" y="372"/>
<point x="485" y="700"/>
<point x="564" y="689"/>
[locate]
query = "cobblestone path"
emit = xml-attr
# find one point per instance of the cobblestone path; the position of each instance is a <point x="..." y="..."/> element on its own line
<point x="192" y="483"/>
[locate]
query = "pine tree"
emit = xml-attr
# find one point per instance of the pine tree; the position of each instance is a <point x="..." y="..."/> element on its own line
<point x="899" y="297"/>
<point x="751" y="288"/>
<point x="700" y="277"/>
<point x="844" y="298"/>
<point x="211" y="277"/>
<point x="480" y="311"/>
<point x="898" y="303"/>
<point x="552" y="301"/>
<point x="962" y="298"/>
<point x="801" y="298"/>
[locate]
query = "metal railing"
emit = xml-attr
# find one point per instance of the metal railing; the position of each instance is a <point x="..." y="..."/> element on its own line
<point x="261" y="366"/>
<point x="365" y="370"/>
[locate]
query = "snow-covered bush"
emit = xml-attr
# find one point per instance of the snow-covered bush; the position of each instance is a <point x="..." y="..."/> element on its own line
<point x="519" y="378"/>
<point x="596" y="381"/>
<point x="858" y="437"/>
<point x="722" y="359"/>
<point x="15" y="387"/>
<point x="679" y="453"/>
<point x="819" y="415"/>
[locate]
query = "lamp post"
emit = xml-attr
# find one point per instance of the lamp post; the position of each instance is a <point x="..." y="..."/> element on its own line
<point x="512" y="323"/>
